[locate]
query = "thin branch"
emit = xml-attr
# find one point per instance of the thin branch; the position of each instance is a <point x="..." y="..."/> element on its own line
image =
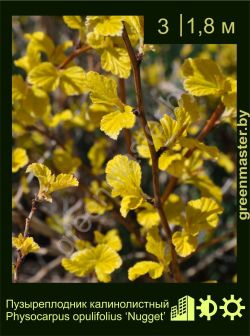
<point x="20" y="257"/>
<point x="215" y="116"/>
<point x="74" y="54"/>
<point x="18" y="263"/>
<point x="211" y="122"/>
<point x="31" y="214"/>
<point x="135" y="61"/>
<point x="19" y="214"/>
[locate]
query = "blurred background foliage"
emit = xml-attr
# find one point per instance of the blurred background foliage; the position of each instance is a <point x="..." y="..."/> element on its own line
<point x="162" y="87"/>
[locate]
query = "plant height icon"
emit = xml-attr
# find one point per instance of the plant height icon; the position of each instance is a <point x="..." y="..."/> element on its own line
<point x="184" y="311"/>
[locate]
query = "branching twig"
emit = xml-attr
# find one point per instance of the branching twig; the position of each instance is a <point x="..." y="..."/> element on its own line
<point x="131" y="227"/>
<point x="203" y="133"/>
<point x="20" y="257"/>
<point x="74" y="54"/>
<point x="19" y="213"/>
<point x="135" y="61"/>
<point x="31" y="214"/>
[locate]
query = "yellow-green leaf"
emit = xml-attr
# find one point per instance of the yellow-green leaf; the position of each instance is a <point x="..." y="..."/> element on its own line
<point x="117" y="61"/>
<point x="49" y="183"/>
<point x="202" y="214"/>
<point x="111" y="238"/>
<point x="105" y="25"/>
<point x="171" y="129"/>
<point x="45" y="76"/>
<point x="158" y="139"/>
<point x="100" y="204"/>
<point x="190" y="143"/>
<point x="45" y="179"/>
<point x="154" y="269"/>
<point x="102" y="259"/>
<point x="103" y="93"/>
<point x="205" y="185"/>
<point x="39" y="41"/>
<point x="114" y="122"/>
<point x="97" y="41"/>
<point x="30" y="60"/>
<point x="65" y="162"/>
<point x="124" y="176"/>
<point x="63" y="181"/>
<point x="189" y="104"/>
<point x="58" y="56"/>
<point x="184" y="243"/>
<point x="226" y="162"/>
<point x="18" y="88"/>
<point x="167" y="158"/>
<point x="155" y="245"/>
<point x="130" y="202"/>
<point x="82" y="244"/>
<point x="137" y="23"/>
<point x="60" y="117"/>
<point x="48" y="77"/>
<point x="73" y="81"/>
<point x="19" y="159"/>
<point x="148" y="217"/>
<point x="97" y="154"/>
<point x="73" y="22"/>
<point x="25" y="245"/>
<point x="103" y="90"/>
<point x="202" y="77"/>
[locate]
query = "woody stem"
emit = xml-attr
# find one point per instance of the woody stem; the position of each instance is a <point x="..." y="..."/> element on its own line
<point x="136" y="61"/>
<point x="20" y="257"/>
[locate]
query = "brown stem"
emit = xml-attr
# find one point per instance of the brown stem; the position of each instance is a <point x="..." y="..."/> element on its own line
<point x="215" y="116"/>
<point x="211" y="122"/>
<point x="135" y="61"/>
<point x="127" y="133"/>
<point x="169" y="188"/>
<point x="28" y="219"/>
<point x="19" y="261"/>
<point x="20" y="257"/>
<point x="74" y="54"/>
